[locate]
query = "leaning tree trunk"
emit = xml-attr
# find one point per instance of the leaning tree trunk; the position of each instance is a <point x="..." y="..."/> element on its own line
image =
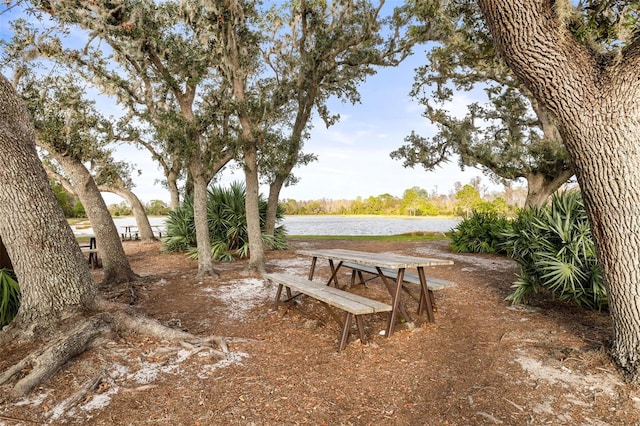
<point x="114" y="260"/>
<point x="541" y="187"/>
<point x="272" y="205"/>
<point x="144" y="227"/>
<point x="595" y="101"/>
<point x="53" y="275"/>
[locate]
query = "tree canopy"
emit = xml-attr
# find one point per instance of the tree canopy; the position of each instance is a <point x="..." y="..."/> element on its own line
<point x="509" y="135"/>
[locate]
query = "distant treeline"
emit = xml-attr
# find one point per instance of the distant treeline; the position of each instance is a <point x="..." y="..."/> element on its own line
<point x="73" y="208"/>
<point x="414" y="202"/>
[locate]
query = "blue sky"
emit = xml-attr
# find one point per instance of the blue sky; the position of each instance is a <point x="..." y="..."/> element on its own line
<point x="353" y="155"/>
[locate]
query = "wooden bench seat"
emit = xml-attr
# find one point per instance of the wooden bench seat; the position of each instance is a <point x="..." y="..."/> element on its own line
<point x="352" y="304"/>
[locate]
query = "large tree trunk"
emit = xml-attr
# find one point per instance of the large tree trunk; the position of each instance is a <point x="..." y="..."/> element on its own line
<point x="110" y="251"/>
<point x="595" y="101"/>
<point x="53" y="275"/>
<point x="541" y="187"/>
<point x="252" y="207"/>
<point x="144" y="227"/>
<point x="203" y="241"/>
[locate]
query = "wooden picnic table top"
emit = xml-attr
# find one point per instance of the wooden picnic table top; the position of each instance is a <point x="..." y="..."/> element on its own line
<point x="382" y="260"/>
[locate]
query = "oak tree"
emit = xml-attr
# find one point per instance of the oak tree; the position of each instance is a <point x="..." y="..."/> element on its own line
<point x="73" y="133"/>
<point x="590" y="82"/>
<point x="160" y="63"/>
<point x="60" y="310"/>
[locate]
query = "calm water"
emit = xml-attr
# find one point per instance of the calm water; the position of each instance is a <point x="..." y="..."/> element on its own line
<point x="84" y="228"/>
<point x="328" y="225"/>
<point x="364" y="225"/>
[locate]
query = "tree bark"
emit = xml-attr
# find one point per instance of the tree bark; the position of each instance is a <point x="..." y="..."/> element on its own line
<point x="595" y="101"/>
<point x="174" y="192"/>
<point x="53" y="275"/>
<point x="257" y="258"/>
<point x="200" y="217"/>
<point x="110" y="251"/>
<point x="272" y="205"/>
<point x="144" y="227"/>
<point x="541" y="187"/>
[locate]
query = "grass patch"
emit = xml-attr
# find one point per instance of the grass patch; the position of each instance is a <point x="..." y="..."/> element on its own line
<point x="82" y="239"/>
<point x="411" y="236"/>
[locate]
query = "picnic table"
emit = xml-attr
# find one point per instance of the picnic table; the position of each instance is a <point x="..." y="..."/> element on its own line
<point x="130" y="233"/>
<point x="389" y="267"/>
<point x="91" y="249"/>
<point x="385" y="266"/>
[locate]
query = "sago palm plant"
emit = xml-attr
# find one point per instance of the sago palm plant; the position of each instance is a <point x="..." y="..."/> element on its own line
<point x="227" y="223"/>
<point x="555" y="250"/>
<point x="480" y="232"/>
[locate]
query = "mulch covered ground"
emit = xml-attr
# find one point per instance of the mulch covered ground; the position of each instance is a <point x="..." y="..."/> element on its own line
<point x="482" y="361"/>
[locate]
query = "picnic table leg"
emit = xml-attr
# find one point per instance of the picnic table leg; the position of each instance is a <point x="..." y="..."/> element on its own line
<point x="390" y="287"/>
<point x="93" y="255"/>
<point x="334" y="272"/>
<point x="395" y="302"/>
<point x="360" y="277"/>
<point x="313" y="268"/>
<point x="425" y="296"/>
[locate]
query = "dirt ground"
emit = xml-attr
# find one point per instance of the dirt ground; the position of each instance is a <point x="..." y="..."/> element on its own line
<point x="482" y="362"/>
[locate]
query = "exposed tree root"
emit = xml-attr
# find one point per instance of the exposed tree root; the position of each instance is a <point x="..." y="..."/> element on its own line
<point x="17" y="420"/>
<point x="80" y="394"/>
<point x="44" y="362"/>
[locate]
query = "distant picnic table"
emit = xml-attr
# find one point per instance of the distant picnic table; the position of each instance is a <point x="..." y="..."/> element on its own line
<point x="90" y="249"/>
<point x="130" y="233"/>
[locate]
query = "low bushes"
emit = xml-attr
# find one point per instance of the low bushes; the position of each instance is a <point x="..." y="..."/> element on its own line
<point x="552" y="245"/>
<point x="480" y="232"/>
<point x="227" y="225"/>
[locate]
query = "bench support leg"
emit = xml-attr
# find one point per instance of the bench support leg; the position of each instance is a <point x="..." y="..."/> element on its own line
<point x="276" y="302"/>
<point x="289" y="298"/>
<point x="360" y="324"/>
<point x="344" y="336"/>
<point x="334" y="273"/>
<point x="425" y="296"/>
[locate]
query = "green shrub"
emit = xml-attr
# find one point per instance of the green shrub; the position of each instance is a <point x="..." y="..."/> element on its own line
<point x="9" y="296"/>
<point x="555" y="251"/>
<point x="480" y="232"/>
<point x="227" y="225"/>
